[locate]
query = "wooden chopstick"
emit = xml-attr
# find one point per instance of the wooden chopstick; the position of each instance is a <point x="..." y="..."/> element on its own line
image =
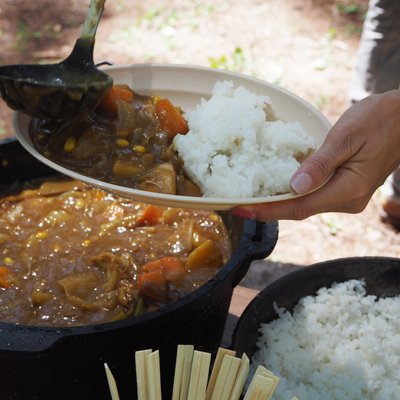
<point x="226" y="378"/>
<point x="111" y="383"/>
<point x="240" y="378"/>
<point x="153" y="376"/>
<point x="191" y="377"/>
<point x="216" y="368"/>
<point x="141" y="375"/>
<point x="199" y="375"/>
<point x="183" y="366"/>
<point x="263" y="381"/>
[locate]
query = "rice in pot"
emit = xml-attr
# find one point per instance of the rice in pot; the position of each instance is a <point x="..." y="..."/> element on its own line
<point x="339" y="345"/>
<point x="233" y="148"/>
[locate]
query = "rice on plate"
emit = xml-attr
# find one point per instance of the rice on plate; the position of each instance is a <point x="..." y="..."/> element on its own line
<point x="235" y="148"/>
<point x="338" y="345"/>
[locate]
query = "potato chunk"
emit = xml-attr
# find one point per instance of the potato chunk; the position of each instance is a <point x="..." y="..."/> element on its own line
<point x="207" y="254"/>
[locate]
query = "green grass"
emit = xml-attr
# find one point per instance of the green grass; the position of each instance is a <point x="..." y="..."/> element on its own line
<point x="22" y="36"/>
<point x="352" y="30"/>
<point x="356" y="15"/>
<point x="161" y="16"/>
<point x="321" y="102"/>
<point x="231" y="62"/>
<point x="333" y="224"/>
<point x="165" y="21"/>
<point x="349" y="9"/>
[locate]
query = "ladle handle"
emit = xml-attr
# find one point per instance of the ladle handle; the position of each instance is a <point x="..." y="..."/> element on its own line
<point x="92" y="19"/>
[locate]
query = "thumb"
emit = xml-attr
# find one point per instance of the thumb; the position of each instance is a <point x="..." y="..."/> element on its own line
<point x="319" y="167"/>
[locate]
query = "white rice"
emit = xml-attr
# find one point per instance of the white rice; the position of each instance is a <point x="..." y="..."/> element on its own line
<point x="338" y="345"/>
<point x="232" y="150"/>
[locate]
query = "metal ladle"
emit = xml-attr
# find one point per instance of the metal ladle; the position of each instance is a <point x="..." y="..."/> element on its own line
<point x="63" y="90"/>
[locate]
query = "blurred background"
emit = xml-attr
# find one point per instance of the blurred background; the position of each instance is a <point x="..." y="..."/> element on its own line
<point x="305" y="46"/>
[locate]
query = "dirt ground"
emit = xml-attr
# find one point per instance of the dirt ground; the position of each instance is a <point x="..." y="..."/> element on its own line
<point x="305" y="46"/>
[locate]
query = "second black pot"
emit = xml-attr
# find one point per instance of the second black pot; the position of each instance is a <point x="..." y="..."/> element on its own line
<point x="381" y="275"/>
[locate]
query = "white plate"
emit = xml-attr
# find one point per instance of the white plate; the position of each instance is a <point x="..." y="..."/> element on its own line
<point x="185" y="85"/>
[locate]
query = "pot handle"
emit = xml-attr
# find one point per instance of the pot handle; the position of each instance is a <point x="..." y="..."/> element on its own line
<point x="258" y="240"/>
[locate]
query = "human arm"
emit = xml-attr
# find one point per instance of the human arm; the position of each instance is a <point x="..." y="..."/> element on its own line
<point x="359" y="153"/>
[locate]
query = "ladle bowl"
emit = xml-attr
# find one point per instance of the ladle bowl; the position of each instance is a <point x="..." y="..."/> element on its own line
<point x="62" y="90"/>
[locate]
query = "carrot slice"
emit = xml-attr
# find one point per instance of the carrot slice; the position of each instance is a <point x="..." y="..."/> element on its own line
<point x="115" y="94"/>
<point x="150" y="216"/>
<point x="164" y="264"/>
<point x="171" y="120"/>
<point x="5" y="274"/>
<point x="154" y="276"/>
<point x="173" y="268"/>
<point x="153" y="284"/>
<point x="171" y="263"/>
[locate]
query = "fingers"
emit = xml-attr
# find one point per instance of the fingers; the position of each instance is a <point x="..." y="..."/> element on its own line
<point x="339" y="195"/>
<point x="320" y="166"/>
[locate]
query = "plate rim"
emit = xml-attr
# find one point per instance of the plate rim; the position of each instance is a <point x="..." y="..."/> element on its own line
<point x="214" y="203"/>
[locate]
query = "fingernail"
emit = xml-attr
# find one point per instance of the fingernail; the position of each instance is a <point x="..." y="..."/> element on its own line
<point x="243" y="213"/>
<point x="301" y="183"/>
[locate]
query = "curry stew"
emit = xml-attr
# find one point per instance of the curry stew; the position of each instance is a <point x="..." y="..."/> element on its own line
<point x="126" y="141"/>
<point x="74" y="255"/>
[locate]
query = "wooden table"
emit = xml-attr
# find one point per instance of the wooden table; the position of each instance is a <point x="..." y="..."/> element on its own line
<point x="240" y="299"/>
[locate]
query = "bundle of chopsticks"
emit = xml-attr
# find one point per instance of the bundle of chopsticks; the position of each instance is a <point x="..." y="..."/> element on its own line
<point x="192" y="378"/>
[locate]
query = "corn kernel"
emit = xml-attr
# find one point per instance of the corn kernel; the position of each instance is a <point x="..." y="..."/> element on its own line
<point x="41" y="235"/>
<point x="122" y="142"/>
<point x="69" y="144"/>
<point x="56" y="247"/>
<point x="80" y="203"/>
<point x="8" y="261"/>
<point x="86" y="243"/>
<point x="156" y="99"/>
<point x="139" y="148"/>
<point x="125" y="170"/>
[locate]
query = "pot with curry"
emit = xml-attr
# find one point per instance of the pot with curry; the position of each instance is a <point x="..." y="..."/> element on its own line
<point x="98" y="277"/>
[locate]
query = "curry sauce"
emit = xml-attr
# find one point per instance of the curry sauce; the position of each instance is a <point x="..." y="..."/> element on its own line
<point x="127" y="140"/>
<point x="75" y="255"/>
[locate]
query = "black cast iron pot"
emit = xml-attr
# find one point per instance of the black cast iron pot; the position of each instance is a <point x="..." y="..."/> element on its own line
<point x="381" y="274"/>
<point x="38" y="363"/>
